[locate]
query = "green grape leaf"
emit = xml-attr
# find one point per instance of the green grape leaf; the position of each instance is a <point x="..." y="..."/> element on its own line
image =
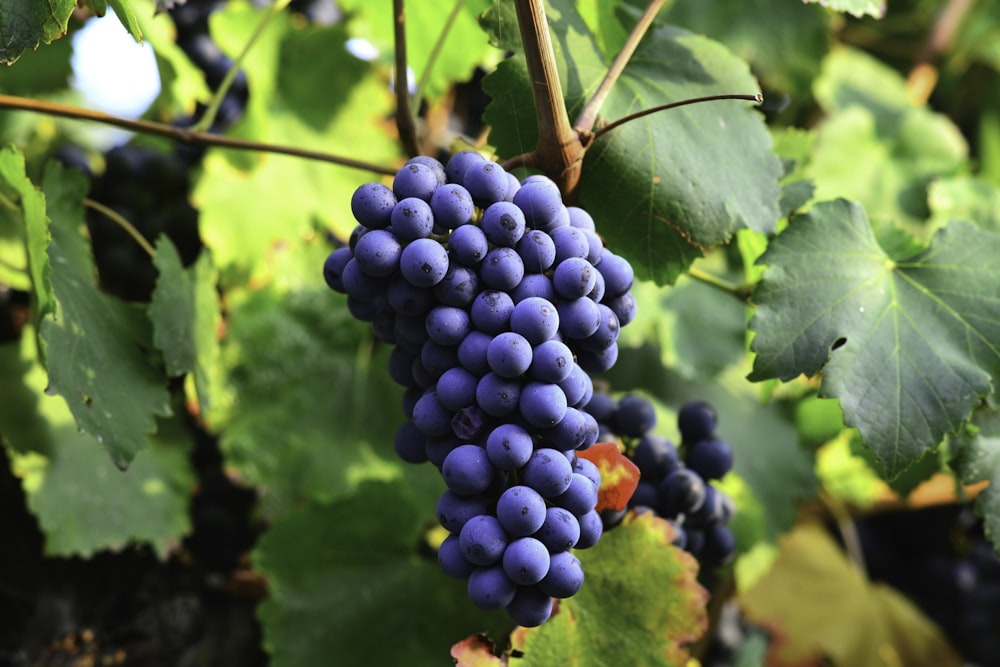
<point x="95" y="344"/>
<point x="817" y="604"/>
<point x="171" y="310"/>
<point x="665" y="188"/>
<point x="857" y="8"/>
<point x="182" y="84"/>
<point x="908" y="347"/>
<point x="125" y="14"/>
<point x="40" y="72"/>
<point x="978" y="459"/>
<point x="346" y="580"/>
<point x="647" y="613"/>
<point x="24" y="24"/>
<point x="83" y="503"/>
<point x="965" y="198"/>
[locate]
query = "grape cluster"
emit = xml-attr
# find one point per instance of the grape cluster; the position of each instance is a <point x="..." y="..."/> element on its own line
<point x="674" y="487"/>
<point x="499" y="301"/>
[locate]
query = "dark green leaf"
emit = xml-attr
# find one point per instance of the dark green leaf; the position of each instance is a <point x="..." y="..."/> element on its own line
<point x="123" y="10"/>
<point x="858" y="8"/>
<point x="977" y="460"/>
<point x="24" y="24"/>
<point x="908" y="347"/>
<point x="172" y="310"/>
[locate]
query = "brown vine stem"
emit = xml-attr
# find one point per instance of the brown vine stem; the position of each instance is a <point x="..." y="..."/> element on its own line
<point x="559" y="152"/>
<point x="181" y="134"/>
<point x="756" y="97"/>
<point x="923" y="77"/>
<point x="404" y="116"/>
<point x="588" y="116"/>
<point x="120" y="220"/>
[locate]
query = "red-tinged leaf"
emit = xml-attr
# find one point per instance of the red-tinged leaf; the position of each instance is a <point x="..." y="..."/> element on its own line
<point x="619" y="476"/>
<point x="476" y="651"/>
<point x="640" y="604"/>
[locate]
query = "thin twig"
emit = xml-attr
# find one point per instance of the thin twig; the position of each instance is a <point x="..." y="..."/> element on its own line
<point x="181" y="134"/>
<point x="120" y="220"/>
<point x="757" y="97"/>
<point x="741" y="292"/>
<point x="847" y="529"/>
<point x="588" y="116"/>
<point x="404" y="116"/>
<point x="436" y="50"/>
<point x="923" y="77"/>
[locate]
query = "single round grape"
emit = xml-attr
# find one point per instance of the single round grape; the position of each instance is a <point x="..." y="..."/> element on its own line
<point x="595" y="251"/>
<point x="407" y="299"/>
<point x="681" y="492"/>
<point x="598" y="362"/>
<point x="534" y="284"/>
<point x="497" y="396"/>
<point x="513" y="185"/>
<point x="530" y="607"/>
<point x="536" y="319"/>
<point x="578" y="318"/>
<point x="711" y="459"/>
<point x="487" y="183"/>
<point x="602" y="407"/>
<point x="438" y="448"/>
<point x="719" y="547"/>
<point x="401" y="365"/>
<point x="360" y="285"/>
<point x="509" y="446"/>
<point x="542" y="404"/>
<point x="509" y="355"/>
<point x="502" y="269"/>
<point x="452" y="562"/>
<point x="430" y="416"/>
<point x="617" y="272"/>
<point x="696" y="421"/>
<point x="491" y="311"/>
<point x="526" y="561"/>
<point x="521" y="511"/>
<point x="711" y="509"/>
<point x="565" y="576"/>
<point x="459" y="163"/>
<point x="578" y="387"/>
<point x="415" y="180"/>
<point x="636" y="416"/>
<point x="624" y="307"/>
<point x="452" y="206"/>
<point x="540" y="200"/>
<point x="694" y="540"/>
<point x="468" y="245"/>
<point x="448" y="325"/>
<point x="655" y="456"/>
<point x="560" y="531"/>
<point x="456" y="388"/>
<point x="570" y="242"/>
<point x="411" y="331"/>
<point x="537" y="251"/>
<point x="467" y="471"/>
<point x="434" y="166"/>
<point x="574" y="278"/>
<point x="361" y="309"/>
<point x="454" y="510"/>
<point x="490" y="588"/>
<point x="409" y="443"/>
<point x="503" y="224"/>
<point x="411" y="219"/>
<point x="458" y="288"/>
<point x="551" y="361"/>
<point x="333" y="268"/>
<point x="437" y="358"/>
<point x="421" y="375"/>
<point x="580" y="497"/>
<point x="356" y="234"/>
<point x="591" y="529"/>
<point x="588" y="469"/>
<point x="548" y="472"/>
<point x="606" y="335"/>
<point x="580" y="219"/>
<point x="372" y="205"/>
<point x="472" y="353"/>
<point x="424" y="262"/>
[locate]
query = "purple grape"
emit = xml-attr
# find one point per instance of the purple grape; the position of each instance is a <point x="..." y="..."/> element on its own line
<point x="645" y="495"/>
<point x="452" y="206"/>
<point x="681" y="492"/>
<point x="576" y="430"/>
<point x="459" y="163"/>
<point x="574" y="278"/>
<point x="422" y="376"/>
<point x="509" y="355"/>
<point x="551" y="361"/>
<point x="580" y="497"/>
<point x="617" y="272"/>
<point x="542" y="404"/>
<point x="503" y="224"/>
<point x="655" y="456"/>
<point x="401" y="366"/>
<point x="448" y="325"/>
<point x="356" y="234"/>
<point x="490" y="588"/>
<point x="456" y="388"/>
<point x="530" y="607"/>
<point x="603" y="408"/>
<point x="589" y="470"/>
<point x="696" y="421"/>
<point x="580" y="219"/>
<point x="502" y="269"/>
<point x="570" y="242"/>
<point x="438" y="447"/>
<point x="469" y="422"/>
<point x="595" y="248"/>
<point x="453" y="563"/>
<point x="360" y="285"/>
<point x="372" y="205"/>
<point x="560" y="530"/>
<point x="526" y="561"/>
<point x="537" y="251"/>
<point x="468" y="245"/>
<point x="719" y="546"/>
<point x="424" y="262"/>
<point x="412" y="219"/>
<point x="521" y="511"/>
<point x="578" y="387"/>
<point x="591" y="529"/>
<point x="437" y="358"/>
<point x="541" y="202"/>
<point x="415" y="180"/>
<point x="458" y="288"/>
<point x="487" y="183"/>
<point x="598" y="362"/>
<point x="711" y="459"/>
<point x="454" y="510"/>
<point x="534" y="285"/>
<point x="509" y="446"/>
<point x="606" y="335"/>
<point x="409" y="443"/>
<point x="565" y="576"/>
<point x="578" y="318"/>
<point x="711" y="510"/>
<point x="333" y="268"/>
<point x="513" y="185"/>
<point x="636" y="416"/>
<point x="467" y="471"/>
<point x="548" y="472"/>
<point x="536" y="319"/>
<point x="472" y="352"/>
<point x="624" y="307"/>
<point x="434" y="166"/>
<point x="407" y="299"/>
<point x="491" y="311"/>
<point x="559" y="219"/>
<point x="430" y="416"/>
<point x="497" y="396"/>
<point x="411" y="331"/>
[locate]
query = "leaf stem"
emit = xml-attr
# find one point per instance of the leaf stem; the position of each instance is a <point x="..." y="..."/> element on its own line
<point x="756" y="97"/>
<point x="436" y="50"/>
<point x="182" y="135"/>
<point x="207" y="118"/>
<point x="588" y="116"/>
<point x="120" y="220"/>
<point x="741" y="292"/>
<point x="923" y="77"/>
<point x="848" y="530"/>
<point x="404" y="116"/>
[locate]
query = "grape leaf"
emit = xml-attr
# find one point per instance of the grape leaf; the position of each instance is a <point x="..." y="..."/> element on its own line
<point x="346" y="580"/>
<point x="978" y="459"/>
<point x="665" y="188"/>
<point x="95" y="345"/>
<point x="171" y="310"/>
<point x="82" y="502"/>
<point x="640" y="614"/>
<point x="24" y="24"/>
<point x="965" y="198"/>
<point x="23" y="254"/>
<point x="857" y="8"/>
<point x="817" y="604"/>
<point x="908" y="347"/>
<point x="125" y="14"/>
